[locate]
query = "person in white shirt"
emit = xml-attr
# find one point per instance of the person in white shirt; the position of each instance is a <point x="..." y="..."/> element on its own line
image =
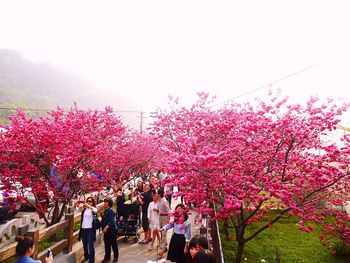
<point x="164" y="216"/>
<point x="87" y="233"/>
<point x="178" y="247"/>
<point x="153" y="217"/>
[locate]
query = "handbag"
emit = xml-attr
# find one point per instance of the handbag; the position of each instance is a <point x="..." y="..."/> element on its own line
<point x="96" y="224"/>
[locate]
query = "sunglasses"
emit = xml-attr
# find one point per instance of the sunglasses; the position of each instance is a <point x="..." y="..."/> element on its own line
<point x="89" y="201"/>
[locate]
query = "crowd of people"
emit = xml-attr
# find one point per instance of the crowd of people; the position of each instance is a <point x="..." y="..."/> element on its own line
<point x="156" y="219"/>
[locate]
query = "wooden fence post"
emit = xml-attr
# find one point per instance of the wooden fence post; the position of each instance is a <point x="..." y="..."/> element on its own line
<point x="70" y="207"/>
<point x="203" y="231"/>
<point x="68" y="233"/>
<point x="34" y="234"/>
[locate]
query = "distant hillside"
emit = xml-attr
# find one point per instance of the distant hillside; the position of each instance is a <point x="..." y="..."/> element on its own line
<point x="26" y="84"/>
<point x="29" y="85"/>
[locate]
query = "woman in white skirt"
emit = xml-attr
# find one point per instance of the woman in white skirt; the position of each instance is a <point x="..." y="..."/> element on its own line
<point x="153" y="218"/>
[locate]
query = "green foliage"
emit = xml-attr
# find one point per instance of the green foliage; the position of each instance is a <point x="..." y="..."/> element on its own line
<point x="293" y="245"/>
<point x="76" y="226"/>
<point x="46" y="243"/>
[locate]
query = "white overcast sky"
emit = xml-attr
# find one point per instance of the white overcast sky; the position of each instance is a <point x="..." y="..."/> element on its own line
<point x="145" y="50"/>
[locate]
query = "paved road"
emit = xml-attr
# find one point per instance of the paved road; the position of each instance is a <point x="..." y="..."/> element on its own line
<point x="130" y="252"/>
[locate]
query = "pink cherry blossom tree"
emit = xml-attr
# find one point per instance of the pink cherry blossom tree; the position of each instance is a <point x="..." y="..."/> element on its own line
<point x="246" y="160"/>
<point x="58" y="156"/>
<point x="141" y="155"/>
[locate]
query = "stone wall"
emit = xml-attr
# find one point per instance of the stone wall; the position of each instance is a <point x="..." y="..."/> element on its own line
<point x="23" y="222"/>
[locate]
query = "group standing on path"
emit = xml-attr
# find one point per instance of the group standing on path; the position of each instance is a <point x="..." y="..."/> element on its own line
<point x="182" y="249"/>
<point x="87" y="231"/>
<point x="156" y="215"/>
<point x="156" y="219"/>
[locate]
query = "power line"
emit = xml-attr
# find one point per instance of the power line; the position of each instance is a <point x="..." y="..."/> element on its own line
<point x="34" y="109"/>
<point x="13" y="108"/>
<point x="273" y="82"/>
<point x="141" y="112"/>
<point x="141" y="120"/>
<point x="236" y="97"/>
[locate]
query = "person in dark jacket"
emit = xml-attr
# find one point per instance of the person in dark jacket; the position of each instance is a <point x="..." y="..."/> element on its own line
<point x="120" y="201"/>
<point x="109" y="230"/>
<point x="204" y="256"/>
<point x="145" y="200"/>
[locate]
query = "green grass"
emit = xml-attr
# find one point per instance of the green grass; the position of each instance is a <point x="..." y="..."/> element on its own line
<point x="293" y="245"/>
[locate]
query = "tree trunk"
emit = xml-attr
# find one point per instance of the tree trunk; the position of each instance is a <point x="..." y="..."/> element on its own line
<point x="227" y="232"/>
<point x="240" y="229"/>
<point x="55" y="213"/>
<point x="239" y="253"/>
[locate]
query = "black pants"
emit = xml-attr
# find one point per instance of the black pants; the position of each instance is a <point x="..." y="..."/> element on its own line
<point x="110" y="239"/>
<point x="145" y="222"/>
<point x="88" y="237"/>
<point x="169" y="200"/>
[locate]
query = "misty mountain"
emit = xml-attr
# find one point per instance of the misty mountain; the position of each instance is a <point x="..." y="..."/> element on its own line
<point x="29" y="85"/>
<point x="24" y="82"/>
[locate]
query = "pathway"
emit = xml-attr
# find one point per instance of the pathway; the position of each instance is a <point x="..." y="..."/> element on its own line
<point x="129" y="252"/>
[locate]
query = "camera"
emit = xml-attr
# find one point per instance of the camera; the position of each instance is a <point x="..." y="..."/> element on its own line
<point x="48" y="253"/>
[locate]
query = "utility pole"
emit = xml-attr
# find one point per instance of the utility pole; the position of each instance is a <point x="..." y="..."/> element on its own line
<point x="141" y="120"/>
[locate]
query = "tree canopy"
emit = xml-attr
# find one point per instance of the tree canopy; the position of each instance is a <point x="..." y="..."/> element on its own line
<point x="246" y="160"/>
<point x="69" y="153"/>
